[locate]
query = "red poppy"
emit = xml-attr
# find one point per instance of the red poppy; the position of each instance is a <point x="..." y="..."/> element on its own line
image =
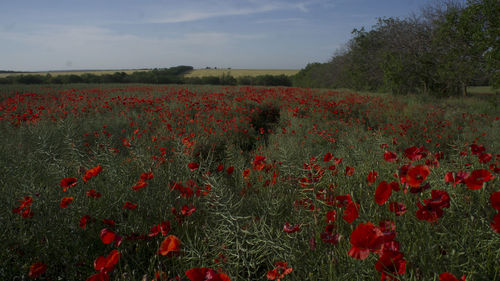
<point x="186" y="211"/>
<point x="495" y="200"/>
<point x="351" y="212"/>
<point x="259" y="162"/>
<point x="390" y="156"/>
<point x="146" y="176"/>
<point x="65" y="202"/>
<point x="389" y="264"/>
<point x="206" y="274"/>
<point x="484" y="157"/>
<point x="446" y="276"/>
<point x="129" y="205"/>
<point x="193" y="166"/>
<point x="364" y="239"/>
<point x="230" y="170"/>
<point x="477" y="149"/>
<point x="330" y="216"/>
<point x="94" y="194"/>
<point x="169" y="246"/>
<point x="397" y="208"/>
<point x="291" y="229"/>
<point x="68" y="182"/>
<point x="107" y="236"/>
<point x="37" y="269"/>
<point x="24" y="207"/>
<point x="163" y="228"/>
<point x="84" y="220"/>
<point x="415" y="153"/>
<point x="140" y="184"/>
<point x="93" y="172"/>
<point x="416" y="175"/>
<point x="246" y="173"/>
<point x="328" y="156"/>
<point x="372" y="177"/>
<point x="279" y="271"/>
<point x="476" y="179"/>
<point x="220" y="168"/>
<point x="107" y="264"/>
<point x="100" y="276"/>
<point x="349" y="171"/>
<point x="432" y="210"/>
<point x="382" y="193"/>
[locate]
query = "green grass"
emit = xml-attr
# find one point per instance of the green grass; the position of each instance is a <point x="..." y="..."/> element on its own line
<point x="52" y="132"/>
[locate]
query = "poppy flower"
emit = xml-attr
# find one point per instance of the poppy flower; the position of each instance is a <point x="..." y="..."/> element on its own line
<point x="93" y="172"/>
<point x="24" y="207"/>
<point x="94" y="194"/>
<point x="163" y="228"/>
<point x="416" y="175"/>
<point x="37" y="269"/>
<point x="382" y="193"/>
<point x="291" y="229"/>
<point x="107" y="264"/>
<point x="484" y="157"/>
<point x="446" y="276"/>
<point x="397" y="208"/>
<point x="389" y="264"/>
<point x="146" y="176"/>
<point x="206" y="274"/>
<point x="84" y="220"/>
<point x="129" y="205"/>
<point x="170" y="245"/>
<point x="230" y="170"/>
<point x="415" y="153"/>
<point x="68" y="182"/>
<point x="279" y="271"/>
<point x="100" y="276"/>
<point x="328" y="156"/>
<point x="259" y="162"/>
<point x="477" y="149"/>
<point x="246" y="173"/>
<point x="65" y="202"/>
<point x="186" y="211"/>
<point x="433" y="208"/>
<point x="495" y="200"/>
<point x="351" y="212"/>
<point x="107" y="236"/>
<point x="390" y="156"/>
<point x="330" y="216"/>
<point x="349" y="171"/>
<point x="364" y="239"/>
<point x="193" y="166"/>
<point x="372" y="177"/>
<point x="140" y="184"/>
<point x="476" y="179"/>
<point x="220" y="168"/>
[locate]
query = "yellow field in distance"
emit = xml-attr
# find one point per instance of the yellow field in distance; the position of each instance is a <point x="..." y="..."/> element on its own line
<point x="240" y="72"/>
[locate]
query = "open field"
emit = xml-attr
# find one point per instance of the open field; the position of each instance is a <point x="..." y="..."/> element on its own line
<point x="149" y="182"/>
<point x="240" y="72"/>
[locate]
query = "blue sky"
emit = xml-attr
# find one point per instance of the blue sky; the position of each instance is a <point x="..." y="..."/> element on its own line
<point x="121" y="34"/>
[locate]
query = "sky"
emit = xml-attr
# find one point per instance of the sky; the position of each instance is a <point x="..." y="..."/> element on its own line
<point x="129" y="34"/>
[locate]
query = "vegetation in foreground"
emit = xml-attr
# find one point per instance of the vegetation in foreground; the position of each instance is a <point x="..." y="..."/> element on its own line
<point x="240" y="183"/>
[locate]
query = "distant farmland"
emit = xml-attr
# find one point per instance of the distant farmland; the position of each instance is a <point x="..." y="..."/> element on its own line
<point x="194" y="73"/>
<point x="240" y="72"/>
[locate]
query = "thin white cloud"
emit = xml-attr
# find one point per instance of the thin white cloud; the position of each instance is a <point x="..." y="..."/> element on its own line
<point x="281" y="20"/>
<point x="223" y="10"/>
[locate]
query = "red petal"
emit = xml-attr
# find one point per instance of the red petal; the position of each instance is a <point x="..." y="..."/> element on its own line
<point x="382" y="193"/>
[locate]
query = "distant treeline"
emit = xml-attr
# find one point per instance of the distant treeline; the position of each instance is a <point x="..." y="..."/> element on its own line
<point x="173" y="75"/>
<point x="441" y="51"/>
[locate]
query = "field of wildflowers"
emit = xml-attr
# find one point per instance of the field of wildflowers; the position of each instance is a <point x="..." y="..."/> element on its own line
<point x="142" y="182"/>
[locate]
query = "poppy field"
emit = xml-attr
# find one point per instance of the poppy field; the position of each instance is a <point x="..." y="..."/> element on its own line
<point x="123" y="182"/>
